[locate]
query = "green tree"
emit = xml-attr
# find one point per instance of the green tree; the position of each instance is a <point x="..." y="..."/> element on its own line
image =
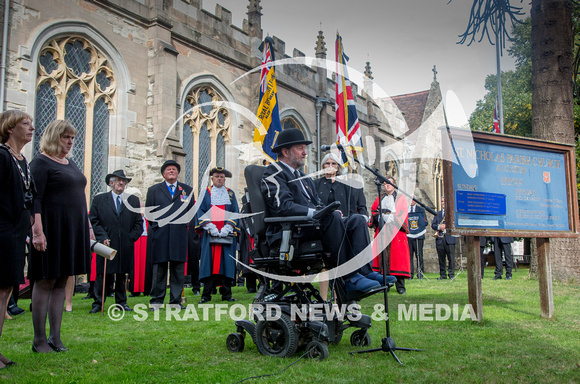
<point x="516" y="88"/>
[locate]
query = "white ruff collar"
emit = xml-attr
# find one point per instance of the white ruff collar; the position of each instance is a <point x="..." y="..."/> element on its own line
<point x="220" y="196"/>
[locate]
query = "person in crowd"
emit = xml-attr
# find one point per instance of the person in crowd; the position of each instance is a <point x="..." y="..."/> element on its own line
<point x="503" y="245"/>
<point x="61" y="232"/>
<point x="137" y="276"/>
<point x="218" y="242"/>
<point x="193" y="255"/>
<point x="352" y="200"/>
<point x="16" y="199"/>
<point x="445" y="245"/>
<point x="118" y="226"/>
<point x="289" y="192"/>
<point x="168" y="235"/>
<point x="482" y="244"/>
<point x="394" y="213"/>
<point x="416" y="237"/>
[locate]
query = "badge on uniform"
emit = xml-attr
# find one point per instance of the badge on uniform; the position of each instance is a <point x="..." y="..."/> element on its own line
<point x="183" y="195"/>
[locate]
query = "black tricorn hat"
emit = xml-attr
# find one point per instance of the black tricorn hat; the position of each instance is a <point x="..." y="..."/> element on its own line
<point x="168" y="163"/>
<point x="220" y="170"/>
<point x="117" y="173"/>
<point x="289" y="137"/>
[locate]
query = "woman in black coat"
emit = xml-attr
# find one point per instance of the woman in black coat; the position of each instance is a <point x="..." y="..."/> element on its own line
<point x="16" y="188"/>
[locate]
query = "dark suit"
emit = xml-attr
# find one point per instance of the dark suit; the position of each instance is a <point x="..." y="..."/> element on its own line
<point x="503" y="244"/>
<point x="416" y="237"/>
<point x="445" y="248"/>
<point x="167" y="243"/>
<point x="352" y="200"/>
<point x="285" y="196"/>
<point x="122" y="229"/>
<point x="482" y="244"/>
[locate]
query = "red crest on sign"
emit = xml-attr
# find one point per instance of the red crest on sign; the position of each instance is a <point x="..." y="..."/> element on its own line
<point x="546" y="177"/>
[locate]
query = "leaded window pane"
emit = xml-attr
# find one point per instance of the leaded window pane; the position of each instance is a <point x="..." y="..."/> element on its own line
<point x="77" y="58"/>
<point x="204" y="153"/>
<point x="188" y="148"/>
<point x="75" y="111"/>
<point x="221" y="118"/>
<point x="289" y="123"/>
<point x="205" y="97"/>
<point x="46" y="105"/>
<point x="100" y="155"/>
<point x="48" y="63"/>
<point x="220" y="151"/>
<point x="103" y="81"/>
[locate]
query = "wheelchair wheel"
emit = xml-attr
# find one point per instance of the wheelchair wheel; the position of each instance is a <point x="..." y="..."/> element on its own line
<point x="277" y="338"/>
<point x="235" y="342"/>
<point x="317" y="350"/>
<point x="360" y="338"/>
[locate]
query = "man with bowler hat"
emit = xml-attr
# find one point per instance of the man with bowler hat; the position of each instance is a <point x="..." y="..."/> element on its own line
<point x="117" y="223"/>
<point x="289" y="192"/>
<point x="168" y="234"/>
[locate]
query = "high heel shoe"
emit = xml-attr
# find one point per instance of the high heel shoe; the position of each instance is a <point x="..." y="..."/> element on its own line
<point x="36" y="350"/>
<point x="55" y="348"/>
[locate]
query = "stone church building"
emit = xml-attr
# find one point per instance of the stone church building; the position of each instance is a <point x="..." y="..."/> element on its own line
<point x="129" y="74"/>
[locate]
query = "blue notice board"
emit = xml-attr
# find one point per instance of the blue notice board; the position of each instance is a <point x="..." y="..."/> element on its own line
<point x="509" y="188"/>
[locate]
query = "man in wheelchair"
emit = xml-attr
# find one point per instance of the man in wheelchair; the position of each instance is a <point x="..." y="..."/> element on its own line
<point x="289" y="192"/>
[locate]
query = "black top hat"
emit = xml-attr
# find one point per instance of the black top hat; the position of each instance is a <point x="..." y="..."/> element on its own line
<point x="168" y="163"/>
<point x="117" y="173"/>
<point x="289" y="137"/>
<point x="220" y="170"/>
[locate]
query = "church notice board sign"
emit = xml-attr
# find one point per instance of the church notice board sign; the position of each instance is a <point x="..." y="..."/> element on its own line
<point x="509" y="186"/>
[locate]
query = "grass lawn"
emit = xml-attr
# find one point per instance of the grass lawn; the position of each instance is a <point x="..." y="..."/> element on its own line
<point x="512" y="344"/>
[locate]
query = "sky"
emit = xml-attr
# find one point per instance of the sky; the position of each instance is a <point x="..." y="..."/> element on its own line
<point x="402" y="39"/>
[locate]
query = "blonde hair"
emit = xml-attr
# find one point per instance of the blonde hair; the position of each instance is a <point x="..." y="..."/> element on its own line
<point x="50" y="141"/>
<point x="8" y="121"/>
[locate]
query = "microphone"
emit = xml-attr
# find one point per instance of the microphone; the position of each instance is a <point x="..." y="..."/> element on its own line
<point x="329" y="147"/>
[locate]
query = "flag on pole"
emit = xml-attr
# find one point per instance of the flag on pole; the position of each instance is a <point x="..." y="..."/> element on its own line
<point x="267" y="132"/>
<point x="495" y="119"/>
<point x="348" y="133"/>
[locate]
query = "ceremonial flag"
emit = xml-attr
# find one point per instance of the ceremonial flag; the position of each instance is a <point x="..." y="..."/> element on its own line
<point x="268" y="114"/>
<point x="348" y="133"/>
<point x="495" y="119"/>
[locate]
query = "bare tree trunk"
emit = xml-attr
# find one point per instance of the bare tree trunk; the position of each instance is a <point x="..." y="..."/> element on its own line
<point x="552" y="101"/>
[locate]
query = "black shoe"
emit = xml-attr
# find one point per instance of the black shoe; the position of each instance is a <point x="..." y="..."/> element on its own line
<point x="196" y="292"/>
<point x="497" y="277"/>
<point x="441" y="278"/>
<point x="15" y="310"/>
<point x="95" y="310"/>
<point x="55" y="348"/>
<point x="230" y="299"/>
<point x="89" y="296"/>
<point x="508" y="278"/>
<point x="135" y="294"/>
<point x="214" y="291"/>
<point x="125" y="307"/>
<point x="111" y="295"/>
<point x="401" y="291"/>
<point x="204" y="300"/>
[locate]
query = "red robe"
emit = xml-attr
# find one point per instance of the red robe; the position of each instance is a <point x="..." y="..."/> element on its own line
<point x="400" y="259"/>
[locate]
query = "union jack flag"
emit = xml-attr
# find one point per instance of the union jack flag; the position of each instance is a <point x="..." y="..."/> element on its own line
<point x="348" y="133"/>
<point x="268" y="114"/>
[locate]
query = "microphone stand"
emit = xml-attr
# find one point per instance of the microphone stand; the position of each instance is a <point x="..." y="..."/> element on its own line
<point x="388" y="343"/>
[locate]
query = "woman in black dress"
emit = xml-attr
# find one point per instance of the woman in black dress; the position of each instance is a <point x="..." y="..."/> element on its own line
<point x="16" y="188"/>
<point x="61" y="231"/>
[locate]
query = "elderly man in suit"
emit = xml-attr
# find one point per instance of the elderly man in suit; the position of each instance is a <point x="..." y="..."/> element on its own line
<point x="503" y="245"/>
<point x="116" y="226"/>
<point x="289" y="192"/>
<point x="444" y="243"/>
<point x="168" y="240"/>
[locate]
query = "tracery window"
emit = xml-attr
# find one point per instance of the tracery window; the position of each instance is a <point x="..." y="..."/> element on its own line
<point x="76" y="82"/>
<point x="206" y="132"/>
<point x="438" y="182"/>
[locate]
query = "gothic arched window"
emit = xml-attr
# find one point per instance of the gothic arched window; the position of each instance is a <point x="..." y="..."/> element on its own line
<point x="206" y="132"/>
<point x="76" y="82"/>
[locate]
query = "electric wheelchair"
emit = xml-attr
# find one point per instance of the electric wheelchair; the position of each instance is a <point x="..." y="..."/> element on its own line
<point x="283" y="335"/>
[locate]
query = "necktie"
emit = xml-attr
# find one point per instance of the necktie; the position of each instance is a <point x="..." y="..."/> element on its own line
<point x="297" y="174"/>
<point x="172" y="189"/>
<point x="118" y="204"/>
